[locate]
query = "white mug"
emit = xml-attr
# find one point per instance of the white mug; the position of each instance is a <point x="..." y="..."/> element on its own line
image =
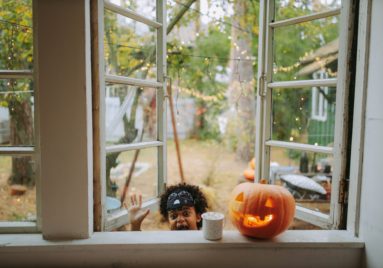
<point x="212" y="225"/>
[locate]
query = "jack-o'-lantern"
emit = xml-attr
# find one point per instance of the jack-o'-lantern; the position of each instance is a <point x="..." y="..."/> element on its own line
<point x="248" y="174"/>
<point x="261" y="210"/>
<point x="252" y="163"/>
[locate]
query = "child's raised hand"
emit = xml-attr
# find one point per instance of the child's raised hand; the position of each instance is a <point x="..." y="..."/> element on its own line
<point x="135" y="212"/>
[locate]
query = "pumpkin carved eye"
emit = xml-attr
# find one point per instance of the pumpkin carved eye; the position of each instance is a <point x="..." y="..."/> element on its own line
<point x="239" y="197"/>
<point x="269" y="203"/>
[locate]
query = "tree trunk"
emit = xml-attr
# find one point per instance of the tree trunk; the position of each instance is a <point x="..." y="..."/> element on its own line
<point x="21" y="133"/>
<point x="241" y="95"/>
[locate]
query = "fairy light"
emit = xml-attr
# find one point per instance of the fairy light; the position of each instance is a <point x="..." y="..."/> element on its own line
<point x="199" y="95"/>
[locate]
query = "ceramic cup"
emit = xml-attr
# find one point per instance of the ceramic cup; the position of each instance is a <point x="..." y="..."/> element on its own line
<point x="212" y="225"/>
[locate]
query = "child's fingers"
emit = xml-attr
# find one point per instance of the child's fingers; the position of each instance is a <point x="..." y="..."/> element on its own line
<point x="139" y="200"/>
<point x="132" y="199"/>
<point x="135" y="199"/>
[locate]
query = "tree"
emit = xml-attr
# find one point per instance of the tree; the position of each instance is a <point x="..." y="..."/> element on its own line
<point x="241" y="95"/>
<point x="16" y="94"/>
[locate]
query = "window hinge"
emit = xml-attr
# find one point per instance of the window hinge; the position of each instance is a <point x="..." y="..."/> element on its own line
<point x="262" y="85"/>
<point x="343" y="190"/>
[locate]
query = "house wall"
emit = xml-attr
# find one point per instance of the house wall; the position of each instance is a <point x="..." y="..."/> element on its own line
<point x="371" y="220"/>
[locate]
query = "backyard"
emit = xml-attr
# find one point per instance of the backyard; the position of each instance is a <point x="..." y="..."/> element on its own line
<point x="207" y="164"/>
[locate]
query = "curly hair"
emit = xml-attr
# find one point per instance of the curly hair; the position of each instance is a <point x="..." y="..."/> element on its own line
<point x="200" y="202"/>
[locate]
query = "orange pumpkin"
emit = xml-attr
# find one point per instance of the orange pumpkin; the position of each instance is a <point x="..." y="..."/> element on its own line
<point x="249" y="174"/>
<point x="252" y="163"/>
<point x="261" y="210"/>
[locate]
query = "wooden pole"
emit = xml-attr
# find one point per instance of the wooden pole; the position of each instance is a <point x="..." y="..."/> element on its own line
<point x="169" y="88"/>
<point x="129" y="178"/>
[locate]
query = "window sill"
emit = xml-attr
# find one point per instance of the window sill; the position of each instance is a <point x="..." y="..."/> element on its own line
<point x="294" y="238"/>
<point x="149" y="248"/>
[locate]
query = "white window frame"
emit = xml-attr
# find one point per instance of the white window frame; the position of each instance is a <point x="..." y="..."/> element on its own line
<point x="24" y="226"/>
<point x="115" y="219"/>
<point x="59" y="225"/>
<point x="264" y="141"/>
<point x="318" y="101"/>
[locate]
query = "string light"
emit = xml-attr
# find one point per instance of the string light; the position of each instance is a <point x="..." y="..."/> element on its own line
<point x="199" y="95"/>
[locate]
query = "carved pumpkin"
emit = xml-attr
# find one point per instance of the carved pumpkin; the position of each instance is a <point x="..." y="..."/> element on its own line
<point x="248" y="174"/>
<point x="261" y="210"/>
<point x="252" y="163"/>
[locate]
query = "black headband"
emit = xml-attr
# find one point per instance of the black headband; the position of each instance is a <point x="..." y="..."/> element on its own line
<point x="177" y="200"/>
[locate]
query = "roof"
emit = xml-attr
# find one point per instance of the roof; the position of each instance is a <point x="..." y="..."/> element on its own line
<point x="320" y="58"/>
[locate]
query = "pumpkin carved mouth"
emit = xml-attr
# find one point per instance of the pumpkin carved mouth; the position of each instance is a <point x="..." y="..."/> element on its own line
<point x="256" y="221"/>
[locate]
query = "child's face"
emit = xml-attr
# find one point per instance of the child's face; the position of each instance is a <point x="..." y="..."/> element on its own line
<point x="184" y="218"/>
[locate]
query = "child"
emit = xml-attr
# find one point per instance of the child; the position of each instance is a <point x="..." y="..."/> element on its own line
<point x="181" y="206"/>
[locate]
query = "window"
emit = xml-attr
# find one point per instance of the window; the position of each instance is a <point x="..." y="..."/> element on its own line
<point x="133" y="106"/>
<point x="319" y="103"/>
<point x="302" y="104"/>
<point x="18" y="178"/>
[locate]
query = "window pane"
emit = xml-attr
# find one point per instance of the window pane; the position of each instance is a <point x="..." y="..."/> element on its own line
<point x="17" y="189"/>
<point x="144" y="178"/>
<point x="131" y="114"/>
<point x="146" y="8"/>
<point x="130" y="47"/>
<point x="304" y="115"/>
<point x="16" y="35"/>
<point x="286" y="9"/>
<point x="306" y="175"/>
<point x="16" y="112"/>
<point x="304" y="49"/>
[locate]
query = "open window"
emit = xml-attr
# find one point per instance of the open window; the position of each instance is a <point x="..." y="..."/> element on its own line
<point x="293" y="93"/>
<point x="18" y="177"/>
<point x="131" y="56"/>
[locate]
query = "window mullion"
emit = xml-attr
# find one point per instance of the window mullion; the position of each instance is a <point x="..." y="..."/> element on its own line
<point x="14" y="74"/>
<point x="300" y="146"/>
<point x="161" y="96"/>
<point x="133" y="146"/>
<point x="266" y="131"/>
<point x="342" y="112"/>
<point x="261" y="89"/>
<point x="117" y="79"/>
<point x="132" y="15"/>
<point x="330" y="82"/>
<point x="306" y="18"/>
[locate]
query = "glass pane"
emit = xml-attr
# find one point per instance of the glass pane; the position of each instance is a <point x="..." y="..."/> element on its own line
<point x="130" y="47"/>
<point x="306" y="175"/>
<point x="16" y="112"/>
<point x="304" y="115"/>
<point x="286" y="9"/>
<point x="302" y="50"/>
<point x="131" y="114"/>
<point x="17" y="188"/>
<point x="144" y="177"/>
<point x="146" y="8"/>
<point x="16" y="35"/>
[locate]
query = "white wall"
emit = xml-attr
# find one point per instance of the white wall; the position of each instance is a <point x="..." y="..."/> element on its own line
<point x="371" y="220"/>
<point x="62" y="38"/>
